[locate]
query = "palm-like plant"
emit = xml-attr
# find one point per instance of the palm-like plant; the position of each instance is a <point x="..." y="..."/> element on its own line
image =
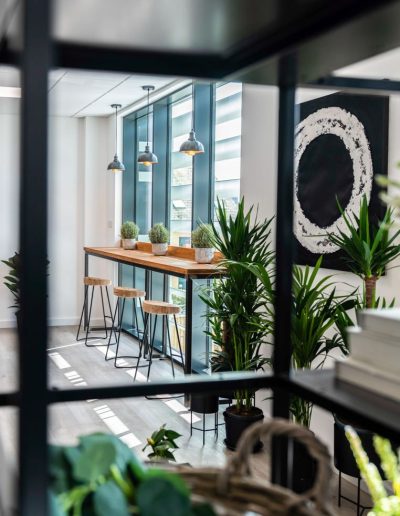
<point x="368" y="247"/>
<point x="235" y="302"/>
<point x="318" y="311"/>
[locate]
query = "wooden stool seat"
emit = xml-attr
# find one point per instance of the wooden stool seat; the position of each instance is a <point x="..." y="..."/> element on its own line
<point x="129" y="292"/>
<point x="160" y="308"/>
<point x="101" y="282"/>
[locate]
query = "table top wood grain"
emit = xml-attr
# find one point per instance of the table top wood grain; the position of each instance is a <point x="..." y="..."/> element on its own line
<point x="178" y="261"/>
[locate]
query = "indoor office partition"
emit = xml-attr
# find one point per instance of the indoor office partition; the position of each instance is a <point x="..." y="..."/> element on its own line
<point x="242" y="54"/>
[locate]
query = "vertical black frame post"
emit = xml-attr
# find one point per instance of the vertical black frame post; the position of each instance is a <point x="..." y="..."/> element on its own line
<point x="35" y="66"/>
<point x="284" y="254"/>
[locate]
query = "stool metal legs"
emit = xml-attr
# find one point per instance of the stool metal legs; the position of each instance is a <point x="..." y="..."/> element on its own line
<point x="146" y="346"/>
<point x="204" y="429"/>
<point x="118" y="317"/>
<point x="105" y="317"/>
<point x="360" y="509"/>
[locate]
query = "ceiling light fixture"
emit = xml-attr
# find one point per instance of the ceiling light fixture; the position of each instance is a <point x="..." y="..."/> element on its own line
<point x="191" y="146"/>
<point x="116" y="165"/>
<point x="147" y="157"/>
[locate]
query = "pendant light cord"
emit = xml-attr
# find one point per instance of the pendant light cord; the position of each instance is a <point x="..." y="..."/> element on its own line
<point x="148" y="112"/>
<point x="116" y="130"/>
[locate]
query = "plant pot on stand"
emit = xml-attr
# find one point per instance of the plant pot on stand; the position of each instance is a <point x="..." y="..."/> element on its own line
<point x="128" y="243"/>
<point x="204" y="254"/>
<point x="237" y="422"/>
<point x="159" y="249"/>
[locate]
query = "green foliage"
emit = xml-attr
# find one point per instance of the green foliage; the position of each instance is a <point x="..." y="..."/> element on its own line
<point x="384" y="505"/>
<point x="129" y="230"/>
<point x="162" y="441"/>
<point x="368" y="247"/>
<point x="202" y="236"/>
<point x="317" y="311"/>
<point x="235" y="321"/>
<point x="159" y="234"/>
<point x="12" y="280"/>
<point x="102" y="477"/>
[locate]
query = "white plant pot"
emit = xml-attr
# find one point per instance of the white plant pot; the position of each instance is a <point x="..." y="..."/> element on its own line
<point x="128" y="243"/>
<point x="204" y="254"/>
<point x="159" y="249"/>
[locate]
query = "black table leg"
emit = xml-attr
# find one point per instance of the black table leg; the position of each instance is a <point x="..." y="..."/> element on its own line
<point x="188" y="326"/>
<point x="86" y="274"/>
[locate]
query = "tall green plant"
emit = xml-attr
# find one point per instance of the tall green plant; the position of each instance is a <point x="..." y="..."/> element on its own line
<point x="235" y="302"/>
<point x="319" y="319"/>
<point x="318" y="322"/>
<point x="368" y="247"/>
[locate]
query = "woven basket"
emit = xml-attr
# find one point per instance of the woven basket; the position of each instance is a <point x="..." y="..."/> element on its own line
<point x="233" y="491"/>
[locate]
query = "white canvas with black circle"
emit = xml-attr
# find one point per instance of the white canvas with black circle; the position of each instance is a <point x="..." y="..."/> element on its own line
<point x="341" y="144"/>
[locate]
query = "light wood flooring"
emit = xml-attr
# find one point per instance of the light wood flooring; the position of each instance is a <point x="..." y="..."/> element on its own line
<point x="72" y="364"/>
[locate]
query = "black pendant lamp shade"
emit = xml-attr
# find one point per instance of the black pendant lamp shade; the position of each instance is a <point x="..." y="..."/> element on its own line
<point x="191" y="146"/>
<point x="147" y="157"/>
<point x="116" y="165"/>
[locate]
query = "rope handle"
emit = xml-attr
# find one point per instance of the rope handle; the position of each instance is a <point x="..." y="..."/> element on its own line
<point x="239" y="466"/>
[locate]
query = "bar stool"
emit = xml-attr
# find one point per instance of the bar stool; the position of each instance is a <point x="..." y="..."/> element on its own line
<point x="89" y="281"/>
<point x="163" y="309"/>
<point x="124" y="293"/>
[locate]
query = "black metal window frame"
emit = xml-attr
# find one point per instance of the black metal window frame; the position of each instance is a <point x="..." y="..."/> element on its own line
<point x="34" y="395"/>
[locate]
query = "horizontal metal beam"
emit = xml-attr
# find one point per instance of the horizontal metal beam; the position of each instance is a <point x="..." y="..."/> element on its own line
<point x="221" y="382"/>
<point x="374" y="86"/>
<point x="138" y="61"/>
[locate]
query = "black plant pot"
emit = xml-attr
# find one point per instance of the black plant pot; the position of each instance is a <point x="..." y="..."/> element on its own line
<point x="236" y="424"/>
<point x="204" y="403"/>
<point x="304" y="468"/>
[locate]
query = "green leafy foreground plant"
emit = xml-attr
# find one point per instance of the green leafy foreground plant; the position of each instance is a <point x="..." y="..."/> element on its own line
<point x="162" y="441"/>
<point x="102" y="477"/>
<point x="368" y="247"/>
<point x="384" y="505"/>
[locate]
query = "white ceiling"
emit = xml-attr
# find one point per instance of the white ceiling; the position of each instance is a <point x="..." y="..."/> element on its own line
<point x="83" y="93"/>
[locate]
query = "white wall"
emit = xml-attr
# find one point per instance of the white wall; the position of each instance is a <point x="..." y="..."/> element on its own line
<point x="258" y="185"/>
<point x="82" y="208"/>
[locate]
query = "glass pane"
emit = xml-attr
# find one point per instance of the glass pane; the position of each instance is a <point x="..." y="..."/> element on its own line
<point x="228" y="111"/>
<point x="181" y="175"/>
<point x="144" y="179"/>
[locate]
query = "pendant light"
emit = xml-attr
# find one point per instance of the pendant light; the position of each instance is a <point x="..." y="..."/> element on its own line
<point x="116" y="165"/>
<point x="147" y="157"/>
<point x="191" y="146"/>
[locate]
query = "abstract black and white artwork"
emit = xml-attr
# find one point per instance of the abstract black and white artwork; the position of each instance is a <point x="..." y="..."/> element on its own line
<point x="341" y="144"/>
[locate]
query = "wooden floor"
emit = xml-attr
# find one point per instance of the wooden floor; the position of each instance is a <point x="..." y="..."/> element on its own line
<point x="72" y="364"/>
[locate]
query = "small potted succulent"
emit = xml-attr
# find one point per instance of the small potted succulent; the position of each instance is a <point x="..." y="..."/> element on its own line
<point x="159" y="236"/>
<point x="203" y="243"/>
<point x="129" y="233"/>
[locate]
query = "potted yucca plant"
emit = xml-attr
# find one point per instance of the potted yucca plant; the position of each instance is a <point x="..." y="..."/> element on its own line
<point x="159" y="236"/>
<point x="368" y="248"/>
<point x="129" y="233"/>
<point x="203" y="243"/>
<point x="234" y="317"/>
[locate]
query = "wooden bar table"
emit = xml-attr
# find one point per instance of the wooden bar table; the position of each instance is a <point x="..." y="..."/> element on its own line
<point x="179" y="262"/>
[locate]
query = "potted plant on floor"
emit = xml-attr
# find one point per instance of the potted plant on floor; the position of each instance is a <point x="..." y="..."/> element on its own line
<point x="159" y="236"/>
<point x="12" y="281"/>
<point x="319" y="319"/>
<point x="129" y="233"/>
<point x="203" y="243"/>
<point x="236" y="324"/>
